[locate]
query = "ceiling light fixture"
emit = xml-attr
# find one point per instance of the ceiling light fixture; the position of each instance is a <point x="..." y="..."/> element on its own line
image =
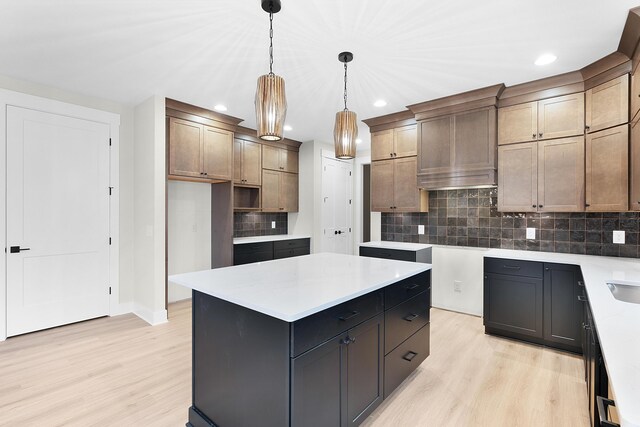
<point x="380" y="103"/>
<point x="271" y="102"/>
<point x="345" y="130"/>
<point x="546" y="59"/>
<point x="220" y="107"/>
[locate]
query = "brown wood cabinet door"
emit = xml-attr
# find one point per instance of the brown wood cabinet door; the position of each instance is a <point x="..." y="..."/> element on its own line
<point x="561" y="175"/>
<point x="289" y="160"/>
<point x="270" y="191"/>
<point x="382" y="186"/>
<point x="474" y="140"/>
<point x="382" y="145"/>
<point x="607" y="170"/>
<point x="237" y="161"/>
<point x="635" y="166"/>
<point x="405" y="141"/>
<point x="635" y="91"/>
<point x="518" y="123"/>
<point x="252" y="163"/>
<point x="518" y="177"/>
<point x="561" y="116"/>
<point x="271" y="158"/>
<point x="185" y="148"/>
<point x="435" y="139"/>
<point x="217" y="153"/>
<point x="405" y="187"/>
<point x="289" y="192"/>
<point x="607" y="105"/>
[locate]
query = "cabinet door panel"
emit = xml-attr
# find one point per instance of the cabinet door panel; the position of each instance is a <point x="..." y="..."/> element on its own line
<point x="382" y="145"/>
<point x="382" y="186"/>
<point x="289" y="192"/>
<point x="635" y="91"/>
<point x="252" y="163"/>
<point x="217" y="153"/>
<point x="405" y="187"/>
<point x="270" y="191"/>
<point x="434" y="146"/>
<point x="518" y="177"/>
<point x="405" y="141"/>
<point x="561" y="175"/>
<point x="271" y="157"/>
<point x="561" y="116"/>
<point x="185" y="144"/>
<point x="562" y="309"/>
<point x="474" y="140"/>
<point x="635" y="167"/>
<point x="237" y="161"/>
<point x="289" y="160"/>
<point x="607" y="105"/>
<point x="518" y="123"/>
<point x="607" y="177"/>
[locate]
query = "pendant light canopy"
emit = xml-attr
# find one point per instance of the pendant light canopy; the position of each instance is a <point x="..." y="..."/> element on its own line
<point x="271" y="102"/>
<point x="345" y="130"/>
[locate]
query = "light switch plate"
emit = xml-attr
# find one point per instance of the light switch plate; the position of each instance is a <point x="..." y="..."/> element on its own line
<point x="457" y="286"/>
<point x="273" y="224"/>
<point x="531" y="233"/>
<point x="420" y="229"/>
<point x="618" y="236"/>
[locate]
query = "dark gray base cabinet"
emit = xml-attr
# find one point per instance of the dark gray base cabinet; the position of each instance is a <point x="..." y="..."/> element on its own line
<point x="534" y="301"/>
<point x="422" y="255"/>
<point x="329" y="369"/>
<point x="245" y="253"/>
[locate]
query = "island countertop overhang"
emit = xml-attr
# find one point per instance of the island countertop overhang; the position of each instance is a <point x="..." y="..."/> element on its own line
<point x="293" y="288"/>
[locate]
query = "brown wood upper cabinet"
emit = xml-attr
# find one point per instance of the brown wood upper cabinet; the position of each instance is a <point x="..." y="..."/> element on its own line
<point x="634" y="194"/>
<point x="607" y="105"/>
<point x="557" y="117"/>
<point x="279" y="191"/>
<point x="393" y="186"/>
<point x="634" y="94"/>
<point x="542" y="176"/>
<point x="247" y="159"/>
<point x="392" y="143"/>
<point x="279" y="159"/>
<point x="607" y="170"/>
<point x="199" y="151"/>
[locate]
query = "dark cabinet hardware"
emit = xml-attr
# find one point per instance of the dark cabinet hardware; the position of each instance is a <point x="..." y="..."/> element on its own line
<point x="411" y="286"/>
<point x="587" y="205"/>
<point x="409" y="356"/>
<point x="349" y="316"/>
<point x="587" y="128"/>
<point x="511" y="267"/>
<point x="390" y="154"/>
<point x="337" y="232"/>
<point x="582" y="298"/>
<point x="540" y="134"/>
<point x="534" y="135"/>
<point x="540" y="206"/>
<point x="533" y="206"/>
<point x="603" y="405"/>
<point x="16" y="249"/>
<point x="580" y="283"/>
<point x="206" y="174"/>
<point x="411" y="317"/>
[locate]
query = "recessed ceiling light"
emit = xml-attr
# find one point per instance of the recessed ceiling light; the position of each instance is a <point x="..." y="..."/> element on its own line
<point x="220" y="107"/>
<point x="287" y="128"/>
<point x="546" y="59"/>
<point x="380" y="103"/>
<point x="358" y="140"/>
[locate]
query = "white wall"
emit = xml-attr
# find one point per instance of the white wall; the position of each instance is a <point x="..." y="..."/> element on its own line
<point x="462" y="264"/>
<point x="188" y="231"/>
<point x="362" y="158"/>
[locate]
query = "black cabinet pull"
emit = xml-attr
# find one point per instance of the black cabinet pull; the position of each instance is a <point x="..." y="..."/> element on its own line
<point x="17" y="249"/>
<point x="534" y="135"/>
<point x="586" y="205"/>
<point x="580" y="283"/>
<point x="587" y="128"/>
<point x="511" y="267"/>
<point x="582" y="298"/>
<point x="409" y="356"/>
<point x="533" y="206"/>
<point x="603" y="404"/>
<point x="349" y="316"/>
<point x="539" y="206"/>
<point x="411" y="317"/>
<point x="540" y="134"/>
<point x="411" y="287"/>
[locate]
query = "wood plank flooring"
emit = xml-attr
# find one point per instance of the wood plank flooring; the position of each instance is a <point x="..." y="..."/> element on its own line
<point x="121" y="372"/>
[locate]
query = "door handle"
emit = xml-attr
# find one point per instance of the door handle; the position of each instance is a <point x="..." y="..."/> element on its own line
<point x="603" y="404"/>
<point x="16" y="249"/>
<point x="411" y="287"/>
<point x="582" y="298"/>
<point x="349" y="316"/>
<point x="409" y="356"/>
<point x="411" y="317"/>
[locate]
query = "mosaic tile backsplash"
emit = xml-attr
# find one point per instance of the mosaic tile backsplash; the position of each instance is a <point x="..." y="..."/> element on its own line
<point x="470" y="218"/>
<point x="247" y="224"/>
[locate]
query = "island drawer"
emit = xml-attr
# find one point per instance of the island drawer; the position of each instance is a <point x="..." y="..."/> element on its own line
<point x="313" y="330"/>
<point x="402" y="361"/>
<point x="252" y="252"/>
<point x="404" y="320"/>
<point x="513" y="267"/>
<point x="405" y="289"/>
<point x="291" y="244"/>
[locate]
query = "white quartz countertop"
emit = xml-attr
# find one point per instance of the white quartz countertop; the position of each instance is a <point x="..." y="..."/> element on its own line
<point x="293" y="288"/>
<point x="617" y="322"/>
<point x="258" y="239"/>
<point x="396" y="245"/>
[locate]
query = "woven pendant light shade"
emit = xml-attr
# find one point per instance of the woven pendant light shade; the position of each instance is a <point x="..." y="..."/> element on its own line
<point x="271" y="107"/>
<point x="345" y="133"/>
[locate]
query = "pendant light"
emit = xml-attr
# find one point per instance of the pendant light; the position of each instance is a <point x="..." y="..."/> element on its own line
<point x="345" y="130"/>
<point x="271" y="103"/>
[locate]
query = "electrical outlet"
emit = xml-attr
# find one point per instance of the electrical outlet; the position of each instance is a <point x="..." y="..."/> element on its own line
<point x="420" y="229"/>
<point x="273" y="224"/>
<point x="457" y="286"/>
<point x="618" y="236"/>
<point x="531" y="233"/>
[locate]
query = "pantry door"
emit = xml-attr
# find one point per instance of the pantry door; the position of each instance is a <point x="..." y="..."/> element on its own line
<point x="57" y="220"/>
<point x="337" y="205"/>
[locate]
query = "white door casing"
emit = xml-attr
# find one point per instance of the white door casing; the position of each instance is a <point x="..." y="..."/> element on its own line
<point x="337" y="205"/>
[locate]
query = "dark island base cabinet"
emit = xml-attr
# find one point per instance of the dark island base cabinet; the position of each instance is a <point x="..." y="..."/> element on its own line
<point x="534" y="301"/>
<point x="329" y="369"/>
<point x="422" y="255"/>
<point x="245" y="253"/>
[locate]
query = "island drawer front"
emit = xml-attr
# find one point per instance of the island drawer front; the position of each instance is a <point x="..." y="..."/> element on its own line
<point x="313" y="330"/>
<point x="397" y="254"/>
<point x="402" y="361"/>
<point x="246" y="253"/>
<point x="290" y="244"/>
<point x="288" y="253"/>
<point x="404" y="320"/>
<point x="405" y="289"/>
<point x="513" y="267"/>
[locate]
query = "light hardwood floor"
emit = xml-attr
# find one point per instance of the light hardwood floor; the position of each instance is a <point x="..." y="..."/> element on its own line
<point x="121" y="372"/>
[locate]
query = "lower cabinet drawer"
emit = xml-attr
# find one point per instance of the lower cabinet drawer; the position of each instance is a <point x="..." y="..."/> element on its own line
<point x="407" y="288"/>
<point x="291" y="244"/>
<point x="402" y="361"/>
<point x="404" y="320"/>
<point x="397" y="254"/>
<point x="288" y="253"/>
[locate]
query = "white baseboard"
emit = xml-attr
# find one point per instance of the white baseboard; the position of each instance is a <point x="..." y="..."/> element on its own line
<point x="151" y="317"/>
<point x="123" y="308"/>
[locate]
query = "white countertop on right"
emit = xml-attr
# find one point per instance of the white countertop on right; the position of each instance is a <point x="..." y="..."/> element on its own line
<point x="617" y="322"/>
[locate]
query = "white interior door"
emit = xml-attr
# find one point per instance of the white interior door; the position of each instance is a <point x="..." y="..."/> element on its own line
<point x="337" y="205"/>
<point x="57" y="220"/>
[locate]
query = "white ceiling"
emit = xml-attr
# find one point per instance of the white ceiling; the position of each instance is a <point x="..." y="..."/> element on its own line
<point x="211" y="52"/>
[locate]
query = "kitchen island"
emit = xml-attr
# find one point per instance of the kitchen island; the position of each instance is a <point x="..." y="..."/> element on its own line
<point x="315" y="340"/>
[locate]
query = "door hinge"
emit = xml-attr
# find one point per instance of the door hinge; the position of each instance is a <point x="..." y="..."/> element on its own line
<point x="109" y="142"/>
<point x="109" y="240"/>
<point x="109" y="290"/>
<point x="349" y="229"/>
<point x="110" y="188"/>
<point x="349" y="201"/>
<point x="349" y="173"/>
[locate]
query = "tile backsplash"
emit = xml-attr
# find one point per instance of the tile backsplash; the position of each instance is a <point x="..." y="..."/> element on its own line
<point x="470" y="218"/>
<point x="247" y="224"/>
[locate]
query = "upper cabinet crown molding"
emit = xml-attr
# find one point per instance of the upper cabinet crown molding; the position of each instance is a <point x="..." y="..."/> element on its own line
<point x="549" y="87"/>
<point x="471" y="100"/>
<point x="603" y="70"/>
<point x="390" y="121"/>
<point x="200" y="115"/>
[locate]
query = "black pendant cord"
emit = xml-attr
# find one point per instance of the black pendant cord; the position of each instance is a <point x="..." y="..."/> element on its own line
<point x="345" y="87"/>
<point x="270" y="43"/>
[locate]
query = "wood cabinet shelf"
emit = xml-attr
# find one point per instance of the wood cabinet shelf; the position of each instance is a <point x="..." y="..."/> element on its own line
<point x="246" y="198"/>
